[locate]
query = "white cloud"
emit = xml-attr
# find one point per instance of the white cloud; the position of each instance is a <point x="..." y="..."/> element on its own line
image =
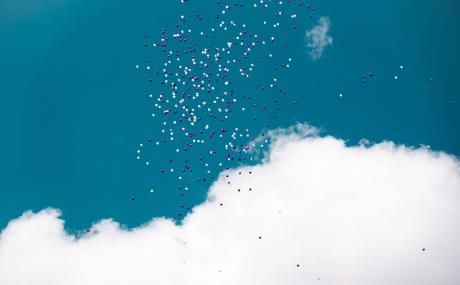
<point x="347" y="215"/>
<point x="318" y="38"/>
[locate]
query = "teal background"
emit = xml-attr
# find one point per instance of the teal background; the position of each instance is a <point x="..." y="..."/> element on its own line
<point x="73" y="108"/>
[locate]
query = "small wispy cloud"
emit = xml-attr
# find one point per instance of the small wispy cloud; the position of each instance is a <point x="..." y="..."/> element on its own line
<point x="318" y="38"/>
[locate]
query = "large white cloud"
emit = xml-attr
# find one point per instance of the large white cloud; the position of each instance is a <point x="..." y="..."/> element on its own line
<point x="346" y="215"/>
<point x="318" y="38"/>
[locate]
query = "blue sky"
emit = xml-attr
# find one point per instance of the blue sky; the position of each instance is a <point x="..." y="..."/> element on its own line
<point x="74" y="109"/>
<point x="229" y="142"/>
